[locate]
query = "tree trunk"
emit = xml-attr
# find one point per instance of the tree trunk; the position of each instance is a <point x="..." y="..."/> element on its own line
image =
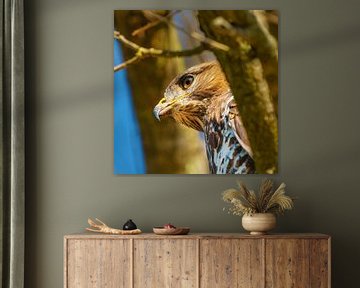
<point x="246" y="74"/>
<point x="168" y="147"/>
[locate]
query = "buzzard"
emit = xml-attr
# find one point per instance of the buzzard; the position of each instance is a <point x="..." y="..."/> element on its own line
<point x="201" y="99"/>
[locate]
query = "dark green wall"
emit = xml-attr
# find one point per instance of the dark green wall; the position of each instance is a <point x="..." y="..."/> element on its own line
<point x="70" y="133"/>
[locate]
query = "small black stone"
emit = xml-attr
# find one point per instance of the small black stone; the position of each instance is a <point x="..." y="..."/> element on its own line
<point x="129" y="225"/>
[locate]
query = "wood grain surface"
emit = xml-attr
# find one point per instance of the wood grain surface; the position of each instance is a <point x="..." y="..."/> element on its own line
<point x="197" y="260"/>
<point x="287" y="263"/>
<point x="165" y="263"/>
<point x="98" y="263"/>
<point x="319" y="263"/>
<point x="89" y="235"/>
<point x="229" y="263"/>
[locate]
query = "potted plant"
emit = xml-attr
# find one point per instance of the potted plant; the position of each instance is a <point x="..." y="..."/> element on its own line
<point x="258" y="210"/>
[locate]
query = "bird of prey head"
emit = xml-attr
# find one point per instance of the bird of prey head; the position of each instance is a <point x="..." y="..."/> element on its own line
<point x="201" y="99"/>
<point x="188" y="96"/>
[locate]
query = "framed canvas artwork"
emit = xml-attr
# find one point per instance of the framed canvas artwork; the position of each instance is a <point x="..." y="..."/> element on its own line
<point x="195" y="92"/>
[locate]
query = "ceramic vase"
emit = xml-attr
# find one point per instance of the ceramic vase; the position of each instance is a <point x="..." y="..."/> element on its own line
<point x="259" y="223"/>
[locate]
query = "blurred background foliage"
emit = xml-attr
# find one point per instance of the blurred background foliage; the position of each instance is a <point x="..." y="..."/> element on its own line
<point x="168" y="147"/>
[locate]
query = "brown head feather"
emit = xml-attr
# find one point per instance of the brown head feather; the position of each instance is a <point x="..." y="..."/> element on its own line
<point x="188" y="104"/>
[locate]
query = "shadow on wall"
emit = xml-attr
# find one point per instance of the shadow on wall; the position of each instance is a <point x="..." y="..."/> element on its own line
<point x="345" y="36"/>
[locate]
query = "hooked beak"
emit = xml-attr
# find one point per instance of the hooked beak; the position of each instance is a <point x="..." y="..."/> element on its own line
<point x="162" y="109"/>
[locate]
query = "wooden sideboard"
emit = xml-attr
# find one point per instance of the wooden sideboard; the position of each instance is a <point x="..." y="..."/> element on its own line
<point x="197" y="260"/>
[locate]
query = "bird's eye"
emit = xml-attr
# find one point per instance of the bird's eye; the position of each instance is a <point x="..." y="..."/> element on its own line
<point x="186" y="81"/>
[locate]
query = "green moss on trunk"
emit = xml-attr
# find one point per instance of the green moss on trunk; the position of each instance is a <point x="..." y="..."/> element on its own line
<point x="245" y="75"/>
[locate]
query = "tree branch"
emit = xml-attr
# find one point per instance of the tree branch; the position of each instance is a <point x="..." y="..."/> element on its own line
<point x="255" y="31"/>
<point x="142" y="53"/>
<point x="195" y="35"/>
<point x="152" y="24"/>
<point x="123" y="65"/>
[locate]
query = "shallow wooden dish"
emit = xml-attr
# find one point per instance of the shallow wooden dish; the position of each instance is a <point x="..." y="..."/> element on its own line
<point x="171" y="231"/>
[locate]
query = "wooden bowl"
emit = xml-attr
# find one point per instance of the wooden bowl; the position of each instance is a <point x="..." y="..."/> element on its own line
<point x="171" y="231"/>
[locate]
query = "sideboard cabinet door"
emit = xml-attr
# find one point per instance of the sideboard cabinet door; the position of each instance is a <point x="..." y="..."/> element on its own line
<point x="165" y="263"/>
<point x="297" y="263"/>
<point x="231" y="263"/>
<point x="98" y="263"/>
